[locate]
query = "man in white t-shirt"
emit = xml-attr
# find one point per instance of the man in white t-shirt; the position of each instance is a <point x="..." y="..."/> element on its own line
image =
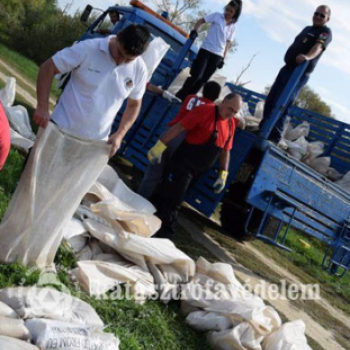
<point x="105" y="72"/>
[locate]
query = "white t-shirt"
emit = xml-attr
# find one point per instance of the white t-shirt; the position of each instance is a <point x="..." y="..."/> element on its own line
<point x="96" y="89"/>
<point x="219" y="32"/>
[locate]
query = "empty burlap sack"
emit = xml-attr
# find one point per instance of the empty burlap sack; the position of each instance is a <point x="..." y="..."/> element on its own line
<point x="52" y="334"/>
<point x="33" y="302"/>
<point x="46" y="197"/>
<point x="291" y="336"/>
<point x="7" y="343"/>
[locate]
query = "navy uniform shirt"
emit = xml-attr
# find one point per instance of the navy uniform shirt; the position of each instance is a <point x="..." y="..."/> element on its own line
<point x="304" y="42"/>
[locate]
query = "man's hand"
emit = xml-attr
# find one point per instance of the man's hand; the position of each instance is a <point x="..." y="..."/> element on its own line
<point x="193" y="34"/>
<point x="115" y="141"/>
<point x="220" y="183"/>
<point x="41" y="116"/>
<point x="221" y="64"/>
<point x="301" y="58"/>
<point x="170" y="97"/>
<point x="154" y="155"/>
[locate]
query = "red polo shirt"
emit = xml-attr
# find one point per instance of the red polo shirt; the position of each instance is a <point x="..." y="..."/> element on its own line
<point x="200" y="124"/>
<point x="190" y="102"/>
<point x="4" y="137"/>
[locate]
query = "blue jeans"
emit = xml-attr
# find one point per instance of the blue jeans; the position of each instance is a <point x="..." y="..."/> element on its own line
<point x="275" y="92"/>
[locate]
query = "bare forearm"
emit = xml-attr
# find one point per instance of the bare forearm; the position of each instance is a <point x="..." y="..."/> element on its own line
<point x="227" y="47"/>
<point x="198" y="24"/>
<point x="315" y="51"/>
<point x="224" y="160"/>
<point x="173" y="132"/>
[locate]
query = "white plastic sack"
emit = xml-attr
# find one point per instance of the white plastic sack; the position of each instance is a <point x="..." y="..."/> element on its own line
<point x="314" y="150"/>
<point x="7" y="343"/>
<point x="142" y="251"/>
<point x="320" y="164"/>
<point x="89" y="251"/>
<point x="344" y="183"/>
<point x="154" y="54"/>
<point x="50" y="334"/>
<point x="75" y="234"/>
<point x="14" y="328"/>
<point x="302" y="129"/>
<point x="19" y="142"/>
<point x="33" y="302"/>
<point x="46" y="197"/>
<point x="259" y="110"/>
<point x="291" y="336"/>
<point x="333" y="174"/>
<point x="6" y="311"/>
<point x="8" y="93"/>
<point x="242" y="337"/>
<point x="19" y="121"/>
<point x="298" y="148"/>
<point x="98" y="277"/>
<point x="203" y="321"/>
<point x="110" y="179"/>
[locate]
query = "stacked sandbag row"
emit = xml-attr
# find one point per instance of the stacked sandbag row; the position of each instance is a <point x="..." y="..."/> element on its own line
<point x="43" y="318"/>
<point x="293" y="140"/>
<point x="22" y="135"/>
<point x="216" y="302"/>
<point x="111" y="238"/>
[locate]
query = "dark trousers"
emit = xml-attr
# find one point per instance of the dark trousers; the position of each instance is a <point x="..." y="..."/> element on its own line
<point x="275" y="92"/>
<point x="203" y="67"/>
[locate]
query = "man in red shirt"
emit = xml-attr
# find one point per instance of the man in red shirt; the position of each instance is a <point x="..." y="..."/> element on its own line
<point x="210" y="131"/>
<point x="154" y="172"/>
<point x="4" y="137"/>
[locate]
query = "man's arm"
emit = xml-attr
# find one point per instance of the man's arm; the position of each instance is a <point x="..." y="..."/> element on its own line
<point x="44" y="81"/>
<point x="313" y="53"/>
<point x="173" y="132"/>
<point x="198" y="24"/>
<point x="130" y="114"/>
<point x="227" y="47"/>
<point x="224" y="160"/>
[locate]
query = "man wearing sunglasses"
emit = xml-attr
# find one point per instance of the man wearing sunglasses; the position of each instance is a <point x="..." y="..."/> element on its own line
<point x="307" y="46"/>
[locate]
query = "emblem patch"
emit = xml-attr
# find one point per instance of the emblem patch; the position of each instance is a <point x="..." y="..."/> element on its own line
<point x="323" y="36"/>
<point x="128" y="83"/>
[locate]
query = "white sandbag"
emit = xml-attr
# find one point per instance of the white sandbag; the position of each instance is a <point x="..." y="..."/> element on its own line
<point x="78" y="243"/>
<point x="300" y="130"/>
<point x="178" y="82"/>
<point x="210" y="321"/>
<point x="83" y="212"/>
<point x="344" y="183"/>
<point x="45" y="200"/>
<point x="6" y="311"/>
<point x="19" y="121"/>
<point x="52" y="334"/>
<point x="297" y="148"/>
<point x="244" y="111"/>
<point x="314" y="150"/>
<point x="8" y="93"/>
<point x="73" y="228"/>
<point x="259" y="110"/>
<point x="225" y="90"/>
<point x="142" y="250"/>
<point x="110" y="179"/>
<point x="320" y="164"/>
<point x="154" y="54"/>
<point x="333" y="174"/>
<point x="14" y="328"/>
<point x="33" y="302"/>
<point x="98" y="277"/>
<point x="89" y="251"/>
<point x="19" y="142"/>
<point x="291" y="336"/>
<point x="242" y="337"/>
<point x="7" y="343"/>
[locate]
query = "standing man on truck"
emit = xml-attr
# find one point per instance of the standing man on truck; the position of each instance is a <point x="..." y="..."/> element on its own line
<point x="74" y="144"/>
<point x="210" y="132"/>
<point x="309" y="45"/>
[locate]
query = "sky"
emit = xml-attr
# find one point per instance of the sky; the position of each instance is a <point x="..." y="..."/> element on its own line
<point x="267" y="28"/>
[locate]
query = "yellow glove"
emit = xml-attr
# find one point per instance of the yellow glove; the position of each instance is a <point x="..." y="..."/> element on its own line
<point x="221" y="181"/>
<point x="154" y="155"/>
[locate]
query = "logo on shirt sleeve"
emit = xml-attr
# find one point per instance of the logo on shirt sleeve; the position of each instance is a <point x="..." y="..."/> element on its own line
<point x="129" y="83"/>
<point x="323" y="36"/>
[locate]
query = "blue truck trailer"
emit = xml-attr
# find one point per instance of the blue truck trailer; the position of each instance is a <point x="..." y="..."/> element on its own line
<point x="264" y="182"/>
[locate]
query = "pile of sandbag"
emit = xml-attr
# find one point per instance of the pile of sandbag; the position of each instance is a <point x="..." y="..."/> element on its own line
<point x="295" y="143"/>
<point x="216" y="302"/>
<point x="22" y="135"/>
<point x="43" y="318"/>
<point x="110" y="236"/>
<point x="251" y="122"/>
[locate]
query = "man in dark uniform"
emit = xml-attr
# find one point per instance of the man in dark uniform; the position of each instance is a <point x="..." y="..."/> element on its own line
<point x="209" y="137"/>
<point x="308" y="46"/>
